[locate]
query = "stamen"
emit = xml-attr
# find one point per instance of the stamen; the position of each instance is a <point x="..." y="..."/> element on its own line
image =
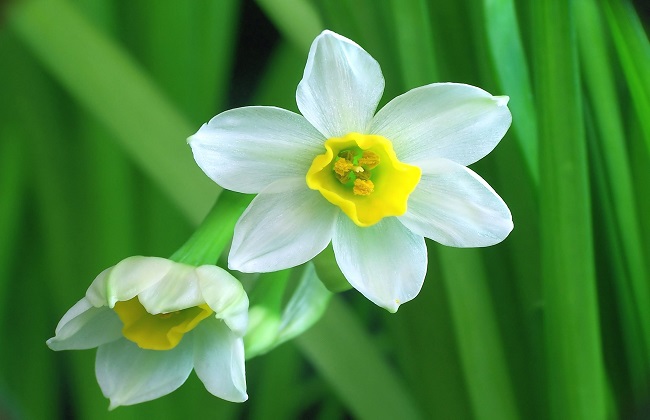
<point x="345" y="178"/>
<point x="363" y="175"/>
<point x="369" y="160"/>
<point x="363" y="187"/>
<point x="347" y="155"/>
<point x="342" y="168"/>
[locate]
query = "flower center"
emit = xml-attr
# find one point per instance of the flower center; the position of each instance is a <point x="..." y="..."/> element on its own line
<point x="360" y="173"/>
<point x="161" y="331"/>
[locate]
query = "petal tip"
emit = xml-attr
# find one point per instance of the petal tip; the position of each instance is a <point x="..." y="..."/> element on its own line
<point x="234" y="263"/>
<point x="502" y="100"/>
<point x="330" y="33"/>
<point x="237" y="264"/>
<point x="393" y="307"/>
<point x="240" y="398"/>
<point x="195" y="136"/>
<point x="390" y="305"/>
<point x="49" y="342"/>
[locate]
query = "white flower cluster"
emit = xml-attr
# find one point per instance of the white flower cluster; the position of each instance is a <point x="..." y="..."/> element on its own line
<point x="373" y="184"/>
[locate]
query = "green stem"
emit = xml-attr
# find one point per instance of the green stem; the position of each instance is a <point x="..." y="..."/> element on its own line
<point x="209" y="240"/>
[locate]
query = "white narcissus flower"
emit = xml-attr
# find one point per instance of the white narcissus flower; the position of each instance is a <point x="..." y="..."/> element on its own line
<point x="375" y="185"/>
<point x="154" y="320"/>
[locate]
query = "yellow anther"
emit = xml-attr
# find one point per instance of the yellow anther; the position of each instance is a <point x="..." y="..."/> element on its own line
<point x="342" y="167"/>
<point x="369" y="159"/>
<point x="363" y="187"/>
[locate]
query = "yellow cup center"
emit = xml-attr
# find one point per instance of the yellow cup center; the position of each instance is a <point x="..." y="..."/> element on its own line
<point x="361" y="174"/>
<point x="161" y="331"/>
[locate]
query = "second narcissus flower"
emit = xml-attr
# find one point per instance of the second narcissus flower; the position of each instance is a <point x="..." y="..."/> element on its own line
<point x="154" y="320"/>
<point x="375" y="185"/>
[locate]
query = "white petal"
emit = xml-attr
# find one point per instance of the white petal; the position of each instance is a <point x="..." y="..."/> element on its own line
<point x="219" y="360"/>
<point x="456" y="207"/>
<point x="385" y="262"/>
<point x="129" y="375"/>
<point x="127" y="279"/>
<point x="341" y="86"/>
<point x="85" y="326"/>
<point x="281" y="230"/>
<point x="177" y="289"/>
<point x="246" y="149"/>
<point x="459" y="122"/>
<point x="225" y="296"/>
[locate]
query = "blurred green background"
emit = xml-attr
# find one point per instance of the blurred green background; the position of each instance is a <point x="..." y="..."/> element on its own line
<point x="97" y="98"/>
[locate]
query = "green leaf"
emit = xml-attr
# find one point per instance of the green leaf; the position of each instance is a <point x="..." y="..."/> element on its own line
<point x="414" y="42"/>
<point x="11" y="191"/>
<point x="341" y="350"/>
<point x="478" y="338"/>
<point x="297" y="20"/>
<point x="616" y="191"/>
<point x="633" y="48"/>
<point x="506" y="49"/>
<point x="575" y="374"/>
<point x="101" y="76"/>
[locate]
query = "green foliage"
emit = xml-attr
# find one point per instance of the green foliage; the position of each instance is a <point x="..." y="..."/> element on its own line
<point x="98" y="98"/>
